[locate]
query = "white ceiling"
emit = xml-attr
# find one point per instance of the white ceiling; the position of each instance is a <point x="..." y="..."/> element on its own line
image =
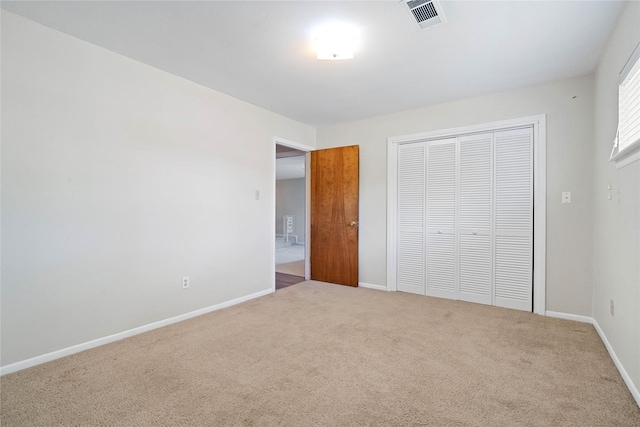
<point x="261" y="52"/>
<point x="290" y="167"/>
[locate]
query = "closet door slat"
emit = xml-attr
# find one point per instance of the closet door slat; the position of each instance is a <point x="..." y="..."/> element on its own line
<point x="475" y="218"/>
<point x="441" y="219"/>
<point x="514" y="219"/>
<point x="465" y="218"/>
<point x="411" y="218"/>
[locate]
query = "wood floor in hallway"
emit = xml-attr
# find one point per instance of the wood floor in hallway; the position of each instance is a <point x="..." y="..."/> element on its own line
<point x="284" y="280"/>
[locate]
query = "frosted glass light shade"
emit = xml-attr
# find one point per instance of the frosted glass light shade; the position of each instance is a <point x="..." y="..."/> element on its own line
<point x="335" y="42"/>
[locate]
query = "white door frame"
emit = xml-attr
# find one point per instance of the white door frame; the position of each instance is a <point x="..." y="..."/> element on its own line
<point x="539" y="195"/>
<point x="307" y="204"/>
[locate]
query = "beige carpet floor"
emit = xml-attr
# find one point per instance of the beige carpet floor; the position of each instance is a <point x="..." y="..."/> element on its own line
<point x="325" y="355"/>
<point x="295" y="268"/>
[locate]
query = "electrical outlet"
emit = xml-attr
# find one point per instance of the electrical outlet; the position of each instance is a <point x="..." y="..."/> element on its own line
<point x="611" y="307"/>
<point x="185" y="282"/>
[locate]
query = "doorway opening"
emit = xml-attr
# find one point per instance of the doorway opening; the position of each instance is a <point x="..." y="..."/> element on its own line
<point x="290" y="216"/>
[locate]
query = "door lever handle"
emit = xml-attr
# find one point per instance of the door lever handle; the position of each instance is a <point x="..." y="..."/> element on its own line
<point x="353" y="223"/>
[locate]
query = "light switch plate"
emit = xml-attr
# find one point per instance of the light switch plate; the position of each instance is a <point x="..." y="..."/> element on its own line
<point x="566" y="197"/>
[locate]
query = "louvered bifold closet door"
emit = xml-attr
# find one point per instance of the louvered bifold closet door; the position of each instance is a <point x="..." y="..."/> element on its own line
<point x="475" y="218"/>
<point x="514" y="219"/>
<point x="441" y="219"/>
<point x="411" y="206"/>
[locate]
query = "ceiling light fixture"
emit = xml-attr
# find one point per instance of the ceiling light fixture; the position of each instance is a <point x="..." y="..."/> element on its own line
<point x="335" y="41"/>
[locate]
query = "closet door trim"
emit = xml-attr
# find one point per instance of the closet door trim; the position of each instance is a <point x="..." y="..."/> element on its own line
<point x="539" y="194"/>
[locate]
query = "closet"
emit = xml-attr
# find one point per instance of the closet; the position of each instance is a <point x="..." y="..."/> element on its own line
<point x="465" y="217"/>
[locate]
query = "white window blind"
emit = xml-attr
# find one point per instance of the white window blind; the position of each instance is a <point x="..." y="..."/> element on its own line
<point x="626" y="145"/>
<point x="629" y="102"/>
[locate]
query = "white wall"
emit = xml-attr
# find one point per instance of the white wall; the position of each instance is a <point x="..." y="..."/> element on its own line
<point x="117" y="180"/>
<point x="290" y="200"/>
<point x="568" y="106"/>
<point x="616" y="235"/>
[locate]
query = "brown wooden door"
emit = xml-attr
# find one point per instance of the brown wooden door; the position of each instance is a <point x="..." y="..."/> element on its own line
<point x="334" y="215"/>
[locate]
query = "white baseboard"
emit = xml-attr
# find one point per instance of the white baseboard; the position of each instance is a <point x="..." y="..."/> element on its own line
<point x="627" y="379"/>
<point x="38" y="360"/>
<point x="623" y="373"/>
<point x="370" y="286"/>
<point x="566" y="316"/>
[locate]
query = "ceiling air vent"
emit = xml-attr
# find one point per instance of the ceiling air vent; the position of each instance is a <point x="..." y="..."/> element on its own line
<point x="424" y="13"/>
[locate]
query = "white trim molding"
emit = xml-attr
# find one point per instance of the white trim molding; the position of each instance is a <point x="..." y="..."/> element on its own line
<point x="307" y="202"/>
<point x="625" y="376"/>
<point x="566" y="316"/>
<point x="38" y="360"/>
<point x="633" y="389"/>
<point x="293" y="144"/>
<point x="371" y="286"/>
<point x="539" y="197"/>
<point x="627" y="156"/>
